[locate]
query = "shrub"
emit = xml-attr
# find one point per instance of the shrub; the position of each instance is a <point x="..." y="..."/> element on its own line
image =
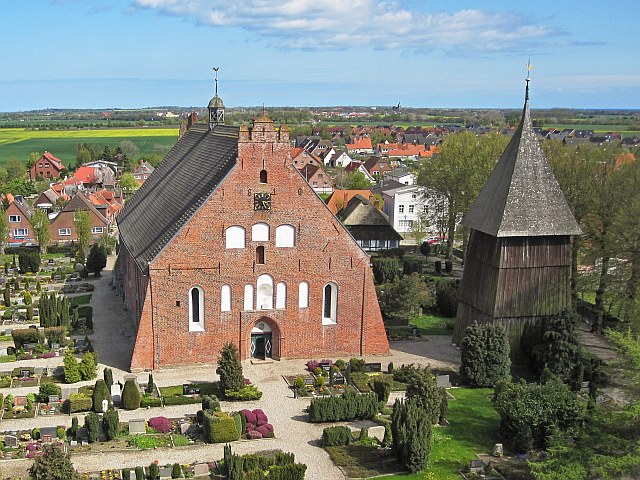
<point x="92" y="424"/>
<point x="153" y="471"/>
<point x="25" y="335"/>
<point x="447" y="297"/>
<point x="55" y="335"/>
<point x="412" y="265"/>
<point x="147" y="401"/>
<point x="210" y="402"/>
<point x="78" y="402"/>
<point x="71" y="368"/>
<point x="100" y="393"/>
<point x="348" y="406"/>
<point x="385" y="270"/>
<point x="219" y="428"/>
<point x="294" y="471"/>
<point x="88" y="366"/>
<point x="180" y="400"/>
<point x="250" y="392"/>
<point x="126" y="473"/>
<point x="392" y="253"/>
<point x="411" y="430"/>
<point x="111" y="424"/>
<point x="160" y="424"/>
<point x="28" y="261"/>
<point x="139" y="473"/>
<point x="107" y="375"/>
<point x="230" y="369"/>
<point x="46" y="389"/>
<point x="333" y="436"/>
<point x="382" y="389"/>
<point x="485" y="354"/>
<point x="312" y="365"/>
<point x="176" y="471"/>
<point x="356" y="365"/>
<point x="130" y="395"/>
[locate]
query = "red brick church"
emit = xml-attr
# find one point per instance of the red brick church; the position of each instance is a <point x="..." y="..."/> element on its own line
<point x="226" y="242"/>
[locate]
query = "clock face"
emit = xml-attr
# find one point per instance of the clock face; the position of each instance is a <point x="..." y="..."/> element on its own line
<point x="262" y="201"/>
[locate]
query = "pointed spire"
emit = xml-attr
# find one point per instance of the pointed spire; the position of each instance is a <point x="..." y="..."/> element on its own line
<point x="522" y="196"/>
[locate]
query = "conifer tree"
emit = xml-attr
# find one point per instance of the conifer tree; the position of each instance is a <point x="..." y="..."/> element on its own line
<point x="230" y="369"/>
<point x="411" y="431"/>
<point x="485" y="356"/>
<point x="71" y="368"/>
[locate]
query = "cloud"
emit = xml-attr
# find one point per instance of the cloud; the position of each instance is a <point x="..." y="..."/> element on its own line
<point x="336" y="24"/>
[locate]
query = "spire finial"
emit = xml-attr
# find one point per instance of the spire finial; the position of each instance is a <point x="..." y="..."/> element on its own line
<point x="528" y="79"/>
<point x="215" y="69"/>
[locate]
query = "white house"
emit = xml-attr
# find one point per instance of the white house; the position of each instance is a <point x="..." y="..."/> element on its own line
<point x="402" y="175"/>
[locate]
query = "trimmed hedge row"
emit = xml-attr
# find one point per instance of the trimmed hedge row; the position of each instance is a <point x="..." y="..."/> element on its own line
<point x="334" y="436"/>
<point x="78" y="402"/>
<point x="348" y="406"/>
<point x="180" y="400"/>
<point x="219" y="427"/>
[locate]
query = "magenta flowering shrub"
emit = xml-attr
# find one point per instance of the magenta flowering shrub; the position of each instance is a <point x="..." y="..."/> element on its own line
<point x="160" y="424"/>
<point x="312" y="365"/>
<point x="249" y="416"/>
<point x="257" y="424"/>
<point x="49" y="355"/>
<point x="254" y="435"/>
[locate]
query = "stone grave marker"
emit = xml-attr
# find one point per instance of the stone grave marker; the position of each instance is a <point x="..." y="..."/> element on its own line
<point x="105" y="405"/>
<point x="67" y="391"/>
<point x="10" y="441"/>
<point x="115" y="393"/>
<point x="165" y="473"/>
<point x="24" y="373"/>
<point x="137" y="426"/>
<point x="47" y="434"/>
<point x="82" y="435"/>
<point x="3" y="351"/>
<point x="29" y="347"/>
<point x="55" y="346"/>
<point x="376" y="432"/>
<point x="190" y="390"/>
<point x="200" y="469"/>
<point x="476" y="465"/>
<point x="372" y="367"/>
<point x="54" y="398"/>
<point x="73" y="443"/>
<point x="498" y="451"/>
<point x="443" y="381"/>
<point x="338" y="379"/>
<point x="187" y="428"/>
<point x="38" y="370"/>
<point x="132" y="475"/>
<point x="8" y="331"/>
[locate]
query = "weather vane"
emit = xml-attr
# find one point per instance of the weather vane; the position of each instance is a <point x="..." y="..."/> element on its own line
<point x="215" y="69"/>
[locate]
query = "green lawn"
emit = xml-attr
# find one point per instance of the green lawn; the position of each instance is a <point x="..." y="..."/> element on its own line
<point x="473" y="429"/>
<point x="80" y="300"/>
<point x="432" y="324"/>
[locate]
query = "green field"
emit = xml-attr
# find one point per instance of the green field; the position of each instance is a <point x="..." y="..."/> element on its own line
<point x="598" y="129"/>
<point x="19" y="143"/>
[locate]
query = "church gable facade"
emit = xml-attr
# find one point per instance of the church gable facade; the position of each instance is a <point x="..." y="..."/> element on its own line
<point x="257" y="259"/>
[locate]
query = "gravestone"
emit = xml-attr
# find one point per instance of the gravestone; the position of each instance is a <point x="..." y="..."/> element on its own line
<point x="82" y="435"/>
<point x="115" y="393"/>
<point x="54" y="398"/>
<point x="67" y="391"/>
<point x="443" y="381"/>
<point x="200" y="469"/>
<point x="372" y="367"/>
<point x="325" y="367"/>
<point x="10" y="441"/>
<point x="376" y="432"/>
<point x="105" y="405"/>
<point x="187" y="428"/>
<point x="3" y="351"/>
<point x="165" y="473"/>
<point x="190" y="390"/>
<point x="498" y="451"/>
<point x="38" y="370"/>
<point x="137" y="426"/>
<point x="73" y="443"/>
<point x="338" y="379"/>
<point x="24" y="374"/>
<point x="47" y="434"/>
<point x="55" y="346"/>
<point x="29" y="347"/>
<point x="476" y="465"/>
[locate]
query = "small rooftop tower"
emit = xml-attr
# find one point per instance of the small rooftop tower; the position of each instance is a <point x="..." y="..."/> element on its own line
<point x="518" y="263"/>
<point x="216" y="106"/>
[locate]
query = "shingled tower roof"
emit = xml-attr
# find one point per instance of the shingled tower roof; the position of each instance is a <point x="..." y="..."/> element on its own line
<point x="522" y="196"/>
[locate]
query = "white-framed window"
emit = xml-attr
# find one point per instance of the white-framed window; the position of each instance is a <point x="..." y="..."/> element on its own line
<point x="225" y="298"/>
<point x="329" y="303"/>
<point x="264" y="297"/>
<point x="20" y="232"/>
<point x="95" y="230"/>
<point x="234" y="237"/>
<point x="281" y="295"/>
<point x="64" y="231"/>
<point x="196" y="309"/>
<point x="411" y="207"/>
<point x="285" y="236"/>
<point x="15" y="218"/>
<point x="400" y="208"/>
<point x="303" y="295"/>
<point x="260" y="232"/>
<point x="248" y="297"/>
<point x="425" y="209"/>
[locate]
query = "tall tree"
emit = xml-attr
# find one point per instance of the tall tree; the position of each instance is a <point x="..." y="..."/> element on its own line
<point x="82" y="224"/>
<point x="4" y="230"/>
<point x="458" y="173"/>
<point x="33" y="159"/>
<point x="15" y="169"/>
<point x="230" y="369"/>
<point x="84" y="154"/>
<point x="96" y="260"/>
<point x="128" y="183"/>
<point x="40" y="222"/>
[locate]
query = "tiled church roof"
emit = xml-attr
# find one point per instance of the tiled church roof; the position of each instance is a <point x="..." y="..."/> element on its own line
<point x="188" y="175"/>
<point x="522" y="196"/>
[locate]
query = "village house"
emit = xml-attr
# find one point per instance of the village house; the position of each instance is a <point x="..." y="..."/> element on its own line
<point x="18" y="214"/>
<point x="46" y="167"/>
<point x="62" y="229"/>
<point x="226" y="242"/>
<point x="319" y="180"/>
<point x="143" y="171"/>
<point x="368" y="225"/>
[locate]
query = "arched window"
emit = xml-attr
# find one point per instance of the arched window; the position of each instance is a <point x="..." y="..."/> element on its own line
<point x="329" y="303"/>
<point x="281" y="295"/>
<point x="260" y="255"/>
<point x="303" y="295"/>
<point x="225" y="298"/>
<point x="265" y="292"/>
<point x="248" y="297"/>
<point x="196" y="310"/>
<point x="263" y="176"/>
<point x="260" y="232"/>
<point x="234" y="237"/>
<point x="285" y="236"/>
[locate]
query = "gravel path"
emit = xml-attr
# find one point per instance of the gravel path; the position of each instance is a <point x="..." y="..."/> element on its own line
<point x="113" y="341"/>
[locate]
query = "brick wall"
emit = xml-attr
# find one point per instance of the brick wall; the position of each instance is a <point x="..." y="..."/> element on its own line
<point x="323" y="252"/>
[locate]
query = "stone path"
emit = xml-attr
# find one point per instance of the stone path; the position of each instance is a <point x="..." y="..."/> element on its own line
<point x="113" y="341"/>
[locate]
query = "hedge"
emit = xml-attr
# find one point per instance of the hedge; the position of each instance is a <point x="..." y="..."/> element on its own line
<point x="130" y="395"/>
<point x="219" y="428"/>
<point x="147" y="401"/>
<point x="78" y="402"/>
<point x="333" y="436"/>
<point x="25" y="335"/>
<point x="294" y="471"/>
<point x="348" y="406"/>
<point x="180" y="400"/>
<point x="100" y="393"/>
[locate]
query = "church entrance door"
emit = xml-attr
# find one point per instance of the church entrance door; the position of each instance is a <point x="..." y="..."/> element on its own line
<point x="261" y="341"/>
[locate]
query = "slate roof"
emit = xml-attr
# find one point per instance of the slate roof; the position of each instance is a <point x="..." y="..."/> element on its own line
<point x="188" y="175"/>
<point x="522" y="196"/>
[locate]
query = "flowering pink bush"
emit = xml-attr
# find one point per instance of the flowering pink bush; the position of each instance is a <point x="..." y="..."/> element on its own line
<point x="160" y="424"/>
<point x="268" y="426"/>
<point x="49" y="355"/>
<point x="312" y="365"/>
<point x="249" y="416"/>
<point x="254" y="435"/>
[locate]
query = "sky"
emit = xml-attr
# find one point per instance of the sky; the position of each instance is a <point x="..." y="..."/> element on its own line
<point x="308" y="53"/>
